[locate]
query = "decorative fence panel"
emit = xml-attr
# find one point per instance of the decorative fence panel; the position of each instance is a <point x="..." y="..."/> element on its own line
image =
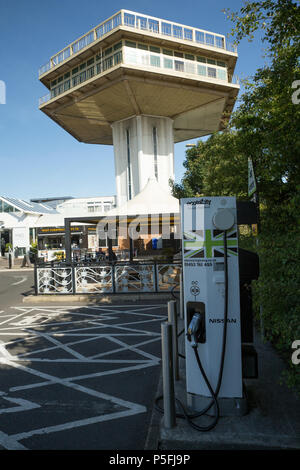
<point x="54" y="280"/>
<point x="93" y="279"/>
<point x="135" y="278"/>
<point x="168" y="276"/>
<point x="107" y="278"/>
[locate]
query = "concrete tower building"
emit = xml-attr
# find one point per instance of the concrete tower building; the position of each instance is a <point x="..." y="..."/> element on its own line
<point x="141" y="84"/>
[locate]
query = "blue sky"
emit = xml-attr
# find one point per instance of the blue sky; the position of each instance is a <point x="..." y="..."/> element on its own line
<point x="37" y="157"/>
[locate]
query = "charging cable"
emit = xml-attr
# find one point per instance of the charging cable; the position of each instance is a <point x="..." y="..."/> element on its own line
<point x="214" y="394"/>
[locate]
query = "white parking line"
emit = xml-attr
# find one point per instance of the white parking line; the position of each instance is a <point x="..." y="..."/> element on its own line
<point x="10" y="443"/>
<point x="48" y="327"/>
<point x="23" y="279"/>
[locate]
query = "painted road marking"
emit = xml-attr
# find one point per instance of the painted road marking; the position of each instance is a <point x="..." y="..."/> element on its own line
<point x="63" y="330"/>
<point x="10" y="443"/>
<point x="23" y="279"/>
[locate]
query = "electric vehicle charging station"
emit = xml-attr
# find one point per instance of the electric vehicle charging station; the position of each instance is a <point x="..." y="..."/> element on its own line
<point x="211" y="290"/>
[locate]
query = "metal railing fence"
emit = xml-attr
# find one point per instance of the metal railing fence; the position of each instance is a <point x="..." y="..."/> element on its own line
<point x="144" y="23"/>
<point x="107" y="277"/>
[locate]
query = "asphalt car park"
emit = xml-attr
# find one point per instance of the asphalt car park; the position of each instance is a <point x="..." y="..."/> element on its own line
<point x="79" y="377"/>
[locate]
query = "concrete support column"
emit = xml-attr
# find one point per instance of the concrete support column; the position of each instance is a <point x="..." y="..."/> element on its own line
<point x="143" y="148"/>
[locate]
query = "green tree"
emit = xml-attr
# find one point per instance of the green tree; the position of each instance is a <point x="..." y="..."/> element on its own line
<point x="191" y="184"/>
<point x="266" y="128"/>
<point x="215" y="167"/>
<point x="268" y="119"/>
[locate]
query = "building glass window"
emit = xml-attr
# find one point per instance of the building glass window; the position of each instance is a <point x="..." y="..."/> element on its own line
<point x="129" y="20"/>
<point x="155" y="61"/>
<point x="189" y="56"/>
<point x="83" y="42"/>
<point x="75" y="80"/>
<point x="177" y="32"/>
<point x="107" y="206"/>
<point x="86" y="70"/>
<point x="131" y="56"/>
<point x="166" y="29"/>
<point x="211" y="72"/>
<point x="118" y="46"/>
<point x="107" y="26"/>
<point x="190" y="67"/>
<point x="201" y="69"/>
<point x="130" y="44"/>
<point x="188" y="34"/>
<point x="108" y="51"/>
<point x="200" y="36"/>
<point x="117" y="58"/>
<point x="145" y="59"/>
<point x="117" y="20"/>
<point x="168" y="63"/>
<point x="94" y="207"/>
<point x="108" y="63"/>
<point x="82" y="76"/>
<point x="153" y="25"/>
<point x="103" y="242"/>
<point x="142" y="22"/>
<point x="67" y="85"/>
<point x="51" y="243"/>
<point x="4" y="207"/>
<point x="210" y="39"/>
<point x="90" y="72"/>
<point x="220" y="42"/>
<point x="221" y="74"/>
<point x="154" y="49"/>
<point x="99" y="32"/>
<point x="179" y="65"/>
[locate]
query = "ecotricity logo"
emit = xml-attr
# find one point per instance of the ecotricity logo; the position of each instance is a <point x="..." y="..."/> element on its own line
<point x="205" y="202"/>
<point x="2" y="92"/>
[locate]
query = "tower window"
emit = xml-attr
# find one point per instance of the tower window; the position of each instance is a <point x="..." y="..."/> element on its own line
<point x="128" y="166"/>
<point x="155" y="152"/>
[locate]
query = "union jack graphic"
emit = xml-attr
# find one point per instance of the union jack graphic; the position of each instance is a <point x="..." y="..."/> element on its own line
<point x="208" y="244"/>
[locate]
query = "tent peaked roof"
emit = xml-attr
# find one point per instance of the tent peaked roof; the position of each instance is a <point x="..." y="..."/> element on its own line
<point x="153" y="199"/>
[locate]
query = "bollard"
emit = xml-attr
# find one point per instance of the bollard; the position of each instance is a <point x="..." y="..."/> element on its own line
<point x="168" y="377"/>
<point x="9" y="261"/>
<point x="172" y="318"/>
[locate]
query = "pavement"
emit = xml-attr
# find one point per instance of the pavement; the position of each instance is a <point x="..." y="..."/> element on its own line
<point x="271" y="423"/>
<point x="16" y="265"/>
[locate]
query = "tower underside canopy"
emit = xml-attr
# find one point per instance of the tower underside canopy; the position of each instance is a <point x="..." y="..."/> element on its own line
<point x="195" y="106"/>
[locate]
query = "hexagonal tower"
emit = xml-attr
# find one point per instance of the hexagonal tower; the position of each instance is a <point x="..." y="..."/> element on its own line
<point x="141" y="83"/>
